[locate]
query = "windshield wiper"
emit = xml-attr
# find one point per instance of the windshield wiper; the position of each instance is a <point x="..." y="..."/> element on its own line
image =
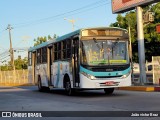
<point x="94" y="39"/>
<point x="114" y="45"/>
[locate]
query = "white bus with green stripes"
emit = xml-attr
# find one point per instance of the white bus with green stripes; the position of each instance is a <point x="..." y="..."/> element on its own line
<point x="86" y="59"/>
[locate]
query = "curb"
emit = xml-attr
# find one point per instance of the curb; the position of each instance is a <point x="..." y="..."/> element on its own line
<point x="140" y="88"/>
<point x="157" y="89"/>
<point x="14" y="84"/>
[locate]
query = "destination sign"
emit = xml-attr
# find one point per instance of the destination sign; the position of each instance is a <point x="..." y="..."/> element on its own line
<point x="108" y="32"/>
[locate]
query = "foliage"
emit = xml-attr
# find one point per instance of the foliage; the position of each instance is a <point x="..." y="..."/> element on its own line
<point x="5" y="67"/>
<point x="19" y="64"/>
<point x="40" y="40"/>
<point x="151" y="38"/>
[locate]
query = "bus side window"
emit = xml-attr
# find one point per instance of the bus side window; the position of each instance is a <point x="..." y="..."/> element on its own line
<point x="59" y="51"/>
<point x="64" y="56"/>
<point x="55" y="51"/>
<point x="38" y="56"/>
<point x="44" y="55"/>
<point x="29" y="58"/>
<point x="69" y="48"/>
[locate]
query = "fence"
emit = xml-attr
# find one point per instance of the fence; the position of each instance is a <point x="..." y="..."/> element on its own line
<point x="136" y="78"/>
<point x="152" y="72"/>
<point x="17" y="77"/>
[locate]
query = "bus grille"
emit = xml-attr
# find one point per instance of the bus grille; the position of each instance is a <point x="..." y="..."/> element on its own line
<point x="109" y="76"/>
<point x="108" y="69"/>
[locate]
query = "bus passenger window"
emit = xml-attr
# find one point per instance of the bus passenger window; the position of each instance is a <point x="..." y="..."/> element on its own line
<point x="64" y="50"/>
<point x="44" y="55"/>
<point x="29" y="58"/>
<point x="59" y="50"/>
<point x="68" y="48"/>
<point x="55" y="51"/>
<point x="38" y="56"/>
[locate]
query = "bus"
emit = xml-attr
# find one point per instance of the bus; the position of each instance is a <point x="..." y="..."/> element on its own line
<point x="86" y="59"/>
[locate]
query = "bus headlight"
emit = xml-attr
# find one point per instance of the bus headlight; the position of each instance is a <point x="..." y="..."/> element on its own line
<point x="126" y="75"/>
<point x="89" y="76"/>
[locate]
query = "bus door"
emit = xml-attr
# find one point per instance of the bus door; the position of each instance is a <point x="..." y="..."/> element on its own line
<point x="75" y="61"/>
<point x="49" y="64"/>
<point x="33" y="67"/>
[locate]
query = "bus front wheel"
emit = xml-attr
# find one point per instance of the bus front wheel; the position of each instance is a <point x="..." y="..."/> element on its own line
<point x="68" y="89"/>
<point x="108" y="91"/>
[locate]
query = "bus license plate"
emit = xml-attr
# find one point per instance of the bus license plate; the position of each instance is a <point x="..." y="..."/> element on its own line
<point x="110" y="83"/>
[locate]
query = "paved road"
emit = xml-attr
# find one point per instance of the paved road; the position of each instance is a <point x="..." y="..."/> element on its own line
<point x="29" y="99"/>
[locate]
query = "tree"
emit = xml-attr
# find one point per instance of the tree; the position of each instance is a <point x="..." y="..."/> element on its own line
<point x="19" y="64"/>
<point x="49" y="37"/>
<point x="40" y="40"/>
<point x="152" y="39"/>
<point x="5" y="67"/>
<point x="55" y="36"/>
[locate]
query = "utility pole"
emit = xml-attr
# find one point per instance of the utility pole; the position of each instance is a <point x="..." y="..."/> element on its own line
<point x="130" y="49"/>
<point x="141" y="51"/>
<point x="9" y="28"/>
<point x="72" y="21"/>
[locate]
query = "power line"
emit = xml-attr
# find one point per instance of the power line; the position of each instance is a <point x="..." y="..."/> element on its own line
<point x="76" y="11"/>
<point x="4" y="57"/>
<point x="87" y="11"/>
<point x="95" y="3"/>
<point x="51" y="20"/>
<point x="2" y="31"/>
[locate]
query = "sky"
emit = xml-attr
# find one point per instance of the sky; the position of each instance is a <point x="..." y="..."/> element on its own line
<point x="33" y="18"/>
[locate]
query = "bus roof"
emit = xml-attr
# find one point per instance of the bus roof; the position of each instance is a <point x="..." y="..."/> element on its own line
<point x="54" y="40"/>
<point x="67" y="36"/>
<point x="105" y="28"/>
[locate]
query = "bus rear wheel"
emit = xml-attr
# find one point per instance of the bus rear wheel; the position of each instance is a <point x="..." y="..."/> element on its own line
<point x="40" y="87"/>
<point x="108" y="91"/>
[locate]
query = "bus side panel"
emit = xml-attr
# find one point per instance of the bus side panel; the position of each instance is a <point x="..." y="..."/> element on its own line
<point x="61" y="75"/>
<point x="31" y="68"/>
<point x="41" y="70"/>
<point x="54" y="73"/>
<point x="66" y="69"/>
<point x="59" y="69"/>
<point x="30" y="75"/>
<point x="36" y="74"/>
<point x="58" y="76"/>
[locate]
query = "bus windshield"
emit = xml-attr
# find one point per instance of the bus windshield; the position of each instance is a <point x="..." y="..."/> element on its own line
<point x="104" y="52"/>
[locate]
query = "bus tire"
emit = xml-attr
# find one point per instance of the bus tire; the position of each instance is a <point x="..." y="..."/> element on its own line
<point x="67" y="84"/>
<point x="108" y="91"/>
<point x="40" y="87"/>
